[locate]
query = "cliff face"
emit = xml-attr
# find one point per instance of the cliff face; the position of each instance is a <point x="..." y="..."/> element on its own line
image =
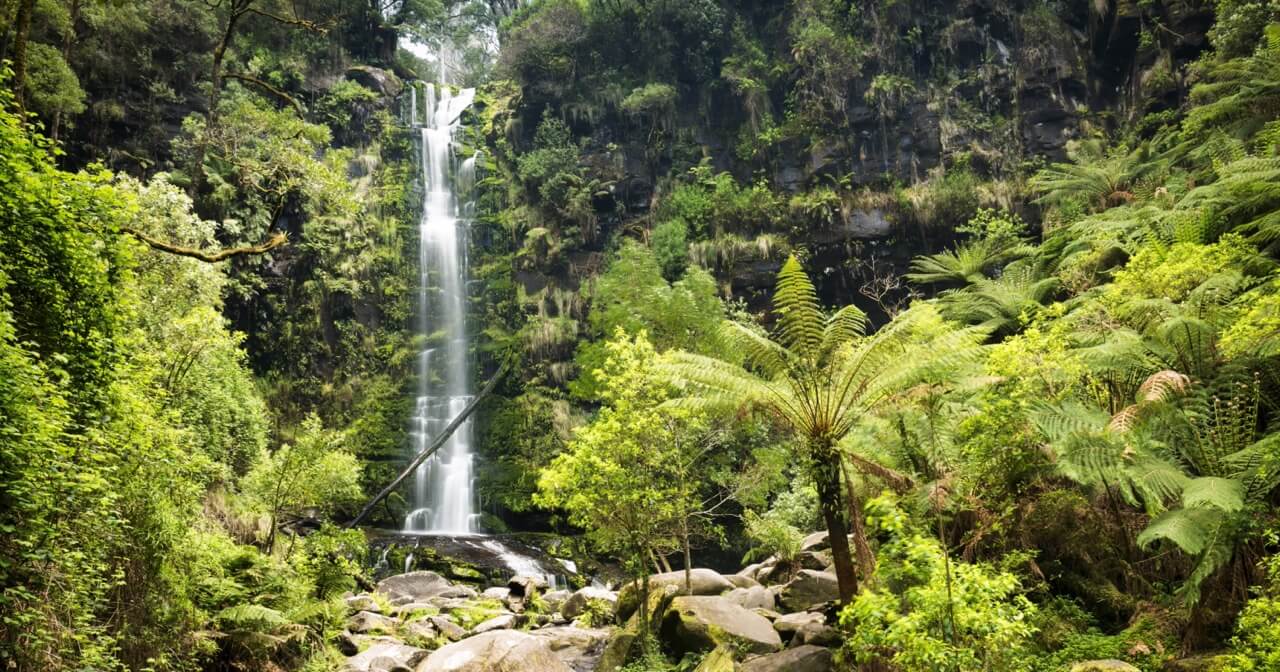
<point x="869" y="129"/>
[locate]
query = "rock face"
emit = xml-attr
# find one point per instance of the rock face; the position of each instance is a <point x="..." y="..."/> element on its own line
<point x="704" y="582"/>
<point x="577" y="603"/>
<point x="385" y="656"/>
<point x="799" y="659"/>
<point x="700" y="623"/>
<point x="497" y="651"/>
<point x="808" y="589"/>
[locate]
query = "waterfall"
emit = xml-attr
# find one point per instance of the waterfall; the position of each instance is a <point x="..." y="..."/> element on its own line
<point x="443" y="497"/>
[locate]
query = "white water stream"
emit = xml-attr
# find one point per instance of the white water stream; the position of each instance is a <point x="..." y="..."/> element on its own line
<point x="444" y="498"/>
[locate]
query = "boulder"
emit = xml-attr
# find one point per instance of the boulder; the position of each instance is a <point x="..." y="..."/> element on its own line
<point x="422" y="631"/>
<point x="418" y="587"/>
<point x="815" y="542"/>
<point x="363" y="602"/>
<point x="377" y="79"/>
<point x="819" y="560"/>
<point x="700" y="623"/>
<point x="385" y="656"/>
<point x="617" y="649"/>
<point x="800" y="659"/>
<point x="496" y="651"/>
<point x="704" y="582"/>
<point x="819" y="634"/>
<point x="579" y="648"/>
<point x="503" y="622"/>
<point x="366" y="622"/>
<point x="526" y="584"/>
<point x="719" y="660"/>
<point x="1108" y="665"/>
<point x="496" y="593"/>
<point x="749" y="572"/>
<point x="755" y="597"/>
<point x="409" y="608"/>
<point x="577" y="603"/>
<point x="347" y="643"/>
<point x="448" y="628"/>
<point x="740" y="581"/>
<point x="808" y="589"/>
<point x="789" y="624"/>
<point x="555" y="599"/>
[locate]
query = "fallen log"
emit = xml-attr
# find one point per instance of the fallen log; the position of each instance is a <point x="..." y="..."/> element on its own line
<point x="431" y="449"/>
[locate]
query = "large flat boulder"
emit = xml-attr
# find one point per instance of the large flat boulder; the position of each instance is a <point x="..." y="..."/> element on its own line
<point x="495" y="651"/>
<point x="809" y="589"/>
<point x="579" y="648"/>
<point x="383" y="656"/>
<point x="800" y="659"/>
<point x="1108" y="665"/>
<point x="703" y="581"/>
<point x="418" y="587"/>
<point x="702" y="622"/>
<point x="578" y="602"/>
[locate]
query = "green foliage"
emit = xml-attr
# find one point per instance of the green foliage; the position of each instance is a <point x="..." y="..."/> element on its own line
<point x="314" y="472"/>
<point x="714" y="205"/>
<point x="622" y="477"/>
<point x="53" y="87"/>
<point x="1256" y="645"/>
<point x="632" y="295"/>
<point x="928" y="612"/>
<point x="671" y="248"/>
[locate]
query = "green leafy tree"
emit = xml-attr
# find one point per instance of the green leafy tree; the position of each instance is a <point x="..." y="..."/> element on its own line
<point x="314" y="472"/>
<point x="626" y="477"/>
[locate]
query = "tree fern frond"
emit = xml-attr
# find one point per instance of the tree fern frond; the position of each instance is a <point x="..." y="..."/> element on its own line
<point x="1058" y="421"/>
<point x="1188" y="529"/>
<point x="758" y="350"/>
<point x="1226" y="494"/>
<point x="843" y="326"/>
<point x="1163" y="386"/>
<point x="795" y="303"/>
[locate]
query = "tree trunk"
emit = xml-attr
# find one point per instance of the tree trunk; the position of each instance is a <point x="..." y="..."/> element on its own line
<point x="688" y="557"/>
<point x="826" y="476"/>
<point x="861" y="547"/>
<point x="22" y="30"/>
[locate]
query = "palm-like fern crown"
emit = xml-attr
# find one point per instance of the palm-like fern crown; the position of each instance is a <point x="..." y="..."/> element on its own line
<point x="820" y="373"/>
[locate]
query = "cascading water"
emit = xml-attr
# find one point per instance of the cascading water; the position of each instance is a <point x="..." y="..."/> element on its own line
<point x="443" y="497"/>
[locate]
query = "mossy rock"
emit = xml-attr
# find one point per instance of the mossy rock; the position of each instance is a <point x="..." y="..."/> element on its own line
<point x="719" y="660"/>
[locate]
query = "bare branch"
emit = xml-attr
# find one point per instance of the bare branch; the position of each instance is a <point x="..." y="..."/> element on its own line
<point x="276" y="240"/>
<point x="269" y="89"/>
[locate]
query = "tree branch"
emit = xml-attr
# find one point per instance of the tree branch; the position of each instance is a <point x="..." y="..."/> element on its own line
<point x="276" y="240"/>
<point x="431" y="449"/>
<point x="269" y="89"/>
<point x="294" y="21"/>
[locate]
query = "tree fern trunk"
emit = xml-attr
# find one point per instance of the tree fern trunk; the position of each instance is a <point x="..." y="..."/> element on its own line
<point x="826" y="476"/>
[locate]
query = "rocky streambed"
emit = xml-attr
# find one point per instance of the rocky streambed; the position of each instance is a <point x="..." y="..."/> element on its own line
<point x="765" y="618"/>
